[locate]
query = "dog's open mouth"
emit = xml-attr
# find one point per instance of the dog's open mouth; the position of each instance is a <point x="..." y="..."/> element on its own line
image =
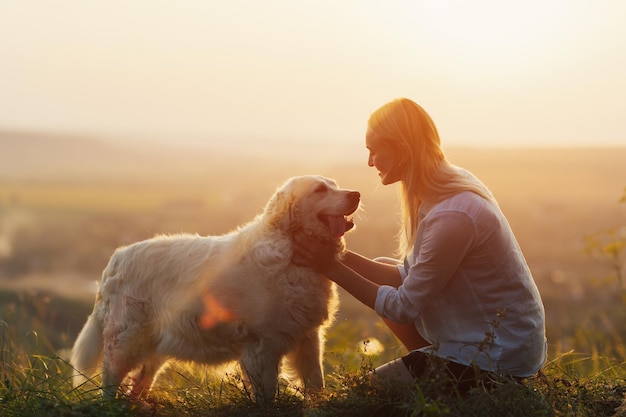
<point x="338" y="225"/>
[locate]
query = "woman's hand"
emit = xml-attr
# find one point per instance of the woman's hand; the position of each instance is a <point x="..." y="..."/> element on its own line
<point x="322" y="257"/>
<point x="312" y="252"/>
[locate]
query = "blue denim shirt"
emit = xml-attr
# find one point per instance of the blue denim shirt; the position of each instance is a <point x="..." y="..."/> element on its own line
<point x="468" y="290"/>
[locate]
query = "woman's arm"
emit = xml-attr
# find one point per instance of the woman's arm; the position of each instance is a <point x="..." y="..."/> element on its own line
<point x="377" y="272"/>
<point x="322" y="257"/>
<point x="359" y="276"/>
<point x="348" y="274"/>
<point x="356" y="284"/>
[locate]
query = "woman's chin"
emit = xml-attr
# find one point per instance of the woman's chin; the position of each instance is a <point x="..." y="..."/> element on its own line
<point x="387" y="179"/>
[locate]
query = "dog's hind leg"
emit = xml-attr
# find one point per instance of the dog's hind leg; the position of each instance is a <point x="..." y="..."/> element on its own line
<point x="127" y="336"/>
<point x="115" y="366"/>
<point x="142" y="377"/>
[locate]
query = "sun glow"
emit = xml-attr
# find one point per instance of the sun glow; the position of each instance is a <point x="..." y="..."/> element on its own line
<point x="489" y="27"/>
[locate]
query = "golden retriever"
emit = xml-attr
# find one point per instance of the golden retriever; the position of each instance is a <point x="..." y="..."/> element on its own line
<point x="216" y="299"/>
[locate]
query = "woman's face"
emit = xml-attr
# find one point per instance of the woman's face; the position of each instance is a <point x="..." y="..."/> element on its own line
<point x="384" y="158"/>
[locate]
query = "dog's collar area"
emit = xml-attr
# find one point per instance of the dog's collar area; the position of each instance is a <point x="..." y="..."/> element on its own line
<point x="312" y="234"/>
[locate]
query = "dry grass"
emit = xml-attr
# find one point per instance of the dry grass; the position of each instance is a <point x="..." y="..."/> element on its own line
<point x="35" y="379"/>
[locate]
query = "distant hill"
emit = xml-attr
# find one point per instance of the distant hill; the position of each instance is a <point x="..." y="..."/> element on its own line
<point x="56" y="157"/>
<point x="27" y="156"/>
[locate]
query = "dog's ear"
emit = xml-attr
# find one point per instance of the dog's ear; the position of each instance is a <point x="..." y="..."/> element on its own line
<point x="282" y="211"/>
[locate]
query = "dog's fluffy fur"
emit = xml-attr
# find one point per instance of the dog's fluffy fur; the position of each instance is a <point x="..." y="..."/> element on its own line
<point x="217" y="299"/>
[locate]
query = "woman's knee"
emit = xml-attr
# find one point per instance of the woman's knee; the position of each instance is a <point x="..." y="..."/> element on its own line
<point x="394" y="371"/>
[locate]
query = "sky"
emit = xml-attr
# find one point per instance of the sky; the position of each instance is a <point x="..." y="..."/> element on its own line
<point x="489" y="72"/>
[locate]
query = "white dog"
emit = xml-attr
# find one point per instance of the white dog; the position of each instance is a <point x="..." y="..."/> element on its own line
<point x="216" y="299"/>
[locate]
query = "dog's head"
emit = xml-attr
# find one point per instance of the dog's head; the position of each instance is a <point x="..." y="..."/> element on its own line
<point x="314" y="205"/>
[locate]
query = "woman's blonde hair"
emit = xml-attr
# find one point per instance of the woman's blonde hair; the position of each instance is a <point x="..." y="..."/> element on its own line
<point x="429" y="176"/>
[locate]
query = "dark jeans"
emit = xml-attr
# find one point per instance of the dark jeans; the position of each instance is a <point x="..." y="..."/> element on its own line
<point x="451" y="374"/>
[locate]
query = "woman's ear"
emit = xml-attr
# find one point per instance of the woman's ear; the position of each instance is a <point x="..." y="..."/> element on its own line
<point x="402" y="153"/>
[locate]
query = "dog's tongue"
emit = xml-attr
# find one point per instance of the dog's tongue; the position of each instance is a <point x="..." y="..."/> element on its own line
<point x="339" y="225"/>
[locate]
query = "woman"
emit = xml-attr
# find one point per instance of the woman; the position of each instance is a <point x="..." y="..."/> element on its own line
<point x="463" y="296"/>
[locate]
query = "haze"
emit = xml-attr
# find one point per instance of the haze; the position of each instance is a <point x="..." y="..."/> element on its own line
<point x="491" y="73"/>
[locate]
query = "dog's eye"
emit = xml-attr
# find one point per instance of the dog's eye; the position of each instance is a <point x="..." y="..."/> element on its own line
<point x="320" y="188"/>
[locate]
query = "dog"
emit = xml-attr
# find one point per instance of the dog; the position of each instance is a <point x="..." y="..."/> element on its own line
<point x="218" y="299"/>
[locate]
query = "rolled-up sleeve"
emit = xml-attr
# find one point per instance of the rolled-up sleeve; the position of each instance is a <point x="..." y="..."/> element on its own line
<point x="381" y="296"/>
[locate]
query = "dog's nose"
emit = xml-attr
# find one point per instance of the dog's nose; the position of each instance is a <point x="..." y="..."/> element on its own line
<point x="355" y="196"/>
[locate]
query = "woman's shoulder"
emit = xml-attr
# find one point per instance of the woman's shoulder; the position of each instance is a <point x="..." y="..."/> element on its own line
<point x="461" y="200"/>
<point x="465" y="203"/>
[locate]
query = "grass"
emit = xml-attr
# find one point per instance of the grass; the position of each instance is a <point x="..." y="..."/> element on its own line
<point x="38" y="384"/>
<point x="44" y="389"/>
<point x="36" y="330"/>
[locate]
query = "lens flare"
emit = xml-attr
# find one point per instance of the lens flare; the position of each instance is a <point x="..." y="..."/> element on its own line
<point x="214" y="313"/>
<point x="371" y="347"/>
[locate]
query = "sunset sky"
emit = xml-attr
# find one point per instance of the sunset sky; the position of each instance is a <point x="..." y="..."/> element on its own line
<point x="490" y="72"/>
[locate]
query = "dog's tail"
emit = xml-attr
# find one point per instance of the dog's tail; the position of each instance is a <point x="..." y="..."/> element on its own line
<point x="87" y="350"/>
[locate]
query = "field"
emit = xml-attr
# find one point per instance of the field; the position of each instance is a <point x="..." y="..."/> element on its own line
<point x="64" y="208"/>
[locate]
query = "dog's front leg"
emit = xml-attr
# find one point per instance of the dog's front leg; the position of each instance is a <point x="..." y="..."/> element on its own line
<point x="306" y="360"/>
<point x="259" y="364"/>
